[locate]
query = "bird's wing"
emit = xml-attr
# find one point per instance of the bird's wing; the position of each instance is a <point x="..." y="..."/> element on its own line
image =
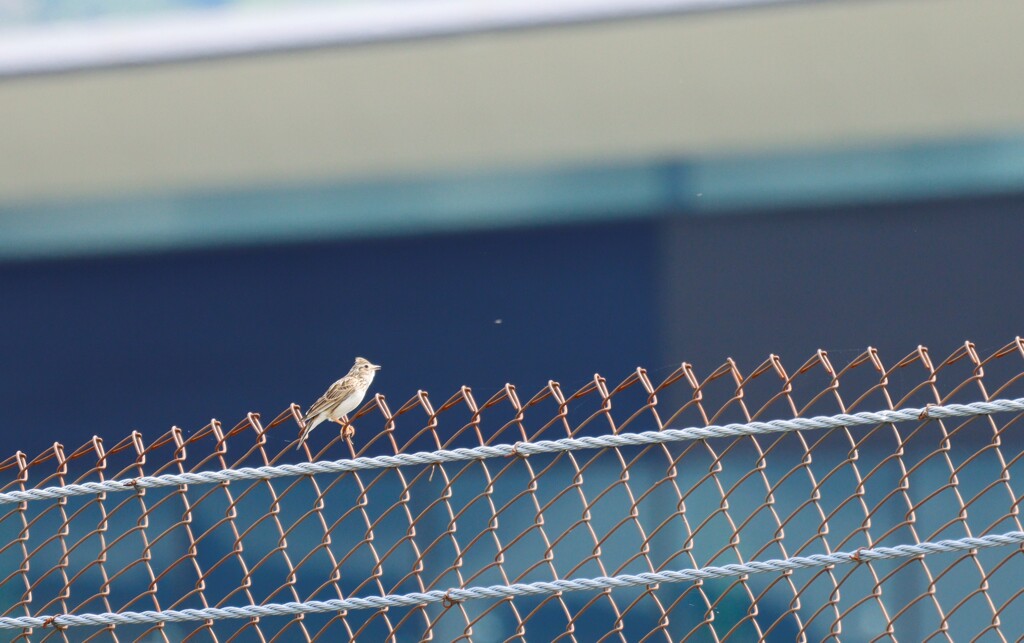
<point x="334" y="395"/>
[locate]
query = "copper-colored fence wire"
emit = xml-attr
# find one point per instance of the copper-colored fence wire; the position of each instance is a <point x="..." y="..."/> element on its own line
<point x="418" y="530"/>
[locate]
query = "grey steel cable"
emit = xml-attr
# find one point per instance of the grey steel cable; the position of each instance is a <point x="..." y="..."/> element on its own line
<point x="519" y="449"/>
<point x="452" y="596"/>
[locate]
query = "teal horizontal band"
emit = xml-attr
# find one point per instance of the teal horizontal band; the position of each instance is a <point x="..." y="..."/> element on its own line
<point x="482" y="200"/>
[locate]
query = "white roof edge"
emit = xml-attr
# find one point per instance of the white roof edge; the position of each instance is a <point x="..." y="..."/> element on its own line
<point x="211" y="34"/>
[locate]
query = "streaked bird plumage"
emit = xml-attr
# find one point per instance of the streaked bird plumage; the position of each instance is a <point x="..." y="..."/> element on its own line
<point x="341" y="398"/>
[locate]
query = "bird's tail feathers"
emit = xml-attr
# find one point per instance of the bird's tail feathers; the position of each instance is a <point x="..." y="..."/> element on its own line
<point x="308" y="424"/>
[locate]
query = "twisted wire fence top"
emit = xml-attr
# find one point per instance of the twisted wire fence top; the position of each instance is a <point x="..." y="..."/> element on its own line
<point x="876" y="500"/>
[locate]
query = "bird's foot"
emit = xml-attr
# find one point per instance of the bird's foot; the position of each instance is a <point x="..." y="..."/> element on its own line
<point x="347" y="430"/>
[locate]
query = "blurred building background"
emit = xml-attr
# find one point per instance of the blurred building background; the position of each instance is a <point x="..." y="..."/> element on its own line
<point x="203" y="238"/>
<point x="195" y="228"/>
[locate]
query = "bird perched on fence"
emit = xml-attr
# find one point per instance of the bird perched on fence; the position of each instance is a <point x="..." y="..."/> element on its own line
<point x="340" y="399"/>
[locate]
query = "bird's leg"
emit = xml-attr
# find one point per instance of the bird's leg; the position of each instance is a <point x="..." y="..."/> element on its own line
<point x="347" y="430"/>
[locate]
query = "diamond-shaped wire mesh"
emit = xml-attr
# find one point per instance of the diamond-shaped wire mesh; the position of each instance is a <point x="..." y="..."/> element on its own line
<point x="584" y="514"/>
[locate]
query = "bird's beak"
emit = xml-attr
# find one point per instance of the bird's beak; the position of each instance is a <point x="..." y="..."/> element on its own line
<point x="375" y="367"/>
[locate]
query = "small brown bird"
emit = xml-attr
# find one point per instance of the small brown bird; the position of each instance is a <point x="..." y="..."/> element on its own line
<point x="340" y="399"/>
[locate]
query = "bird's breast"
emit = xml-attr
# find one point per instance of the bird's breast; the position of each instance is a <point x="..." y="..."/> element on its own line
<point x="350" y="403"/>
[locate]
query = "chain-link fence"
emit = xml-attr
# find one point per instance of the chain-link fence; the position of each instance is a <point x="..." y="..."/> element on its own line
<point x="887" y="510"/>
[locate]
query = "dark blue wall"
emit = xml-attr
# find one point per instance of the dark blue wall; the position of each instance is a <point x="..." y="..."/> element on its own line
<point x="891" y="276"/>
<point x="108" y="345"/>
